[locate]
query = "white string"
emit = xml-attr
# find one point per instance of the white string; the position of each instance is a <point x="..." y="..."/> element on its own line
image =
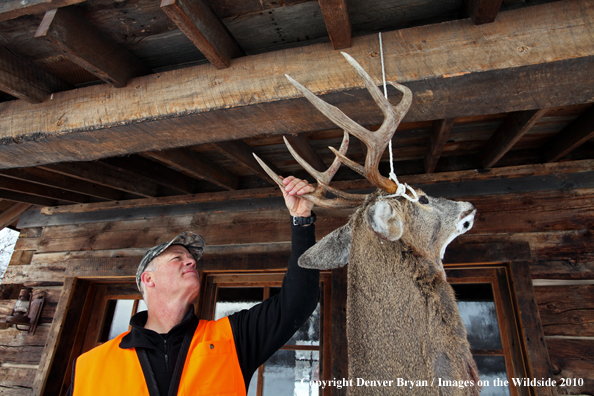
<point x="400" y="187"/>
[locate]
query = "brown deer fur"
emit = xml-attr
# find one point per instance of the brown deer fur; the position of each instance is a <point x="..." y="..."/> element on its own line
<point x="402" y="317"/>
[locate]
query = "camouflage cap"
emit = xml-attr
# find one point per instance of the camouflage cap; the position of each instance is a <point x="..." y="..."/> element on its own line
<point x="188" y="239"/>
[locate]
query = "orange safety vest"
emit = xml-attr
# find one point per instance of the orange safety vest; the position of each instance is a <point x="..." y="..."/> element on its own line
<point x="211" y="367"/>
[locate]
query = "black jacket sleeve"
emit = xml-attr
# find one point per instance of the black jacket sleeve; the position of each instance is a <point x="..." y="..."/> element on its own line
<point x="260" y="331"/>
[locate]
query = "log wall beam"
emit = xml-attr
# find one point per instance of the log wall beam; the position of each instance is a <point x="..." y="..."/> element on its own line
<point x="440" y="131"/>
<point x="175" y="108"/>
<point x="10" y="9"/>
<point x="301" y="145"/>
<point x="8" y="216"/>
<point x="19" y="186"/>
<point x="26" y="80"/>
<point x="52" y="179"/>
<point x="239" y="151"/>
<point x="507" y="135"/>
<point x="572" y="136"/>
<point x="26" y="198"/>
<point x="69" y="33"/>
<point x="153" y="171"/>
<point x="100" y="174"/>
<point x="483" y="11"/>
<point x="191" y="164"/>
<point x="338" y="22"/>
<point x="204" y="28"/>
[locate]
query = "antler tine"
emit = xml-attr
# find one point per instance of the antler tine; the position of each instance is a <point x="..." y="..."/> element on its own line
<point x="377" y="141"/>
<point x="320" y="201"/>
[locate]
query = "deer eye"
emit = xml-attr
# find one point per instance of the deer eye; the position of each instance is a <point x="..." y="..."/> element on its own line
<point x="424" y="200"/>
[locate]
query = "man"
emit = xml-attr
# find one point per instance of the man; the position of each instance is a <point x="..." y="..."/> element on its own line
<point x="170" y="352"/>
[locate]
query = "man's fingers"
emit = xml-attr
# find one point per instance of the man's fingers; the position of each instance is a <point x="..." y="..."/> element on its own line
<point x="294" y="186"/>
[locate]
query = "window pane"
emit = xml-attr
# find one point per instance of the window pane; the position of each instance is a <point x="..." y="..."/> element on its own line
<point x="231" y="300"/>
<point x="253" y="389"/>
<point x="477" y="309"/>
<point x="491" y="367"/>
<point x="121" y="318"/>
<point x="141" y="306"/>
<point x="285" y="370"/>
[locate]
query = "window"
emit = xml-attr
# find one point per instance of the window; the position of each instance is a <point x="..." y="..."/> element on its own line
<point x="484" y="303"/>
<point x="290" y="369"/>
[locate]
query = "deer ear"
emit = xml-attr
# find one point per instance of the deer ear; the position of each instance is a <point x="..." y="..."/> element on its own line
<point x="385" y="220"/>
<point x="330" y="252"/>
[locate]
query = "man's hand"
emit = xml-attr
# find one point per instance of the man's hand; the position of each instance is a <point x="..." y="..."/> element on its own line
<point x="294" y="187"/>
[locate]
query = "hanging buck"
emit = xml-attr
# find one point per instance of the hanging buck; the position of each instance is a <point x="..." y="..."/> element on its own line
<point x="402" y="317"/>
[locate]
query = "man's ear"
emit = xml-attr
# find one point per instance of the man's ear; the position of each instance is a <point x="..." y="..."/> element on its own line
<point x="385" y="220"/>
<point x="147" y="279"/>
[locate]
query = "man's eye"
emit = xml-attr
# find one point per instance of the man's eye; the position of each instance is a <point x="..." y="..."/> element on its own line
<point x="424" y="200"/>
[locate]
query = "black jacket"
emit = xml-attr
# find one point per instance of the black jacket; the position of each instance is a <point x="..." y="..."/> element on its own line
<point x="258" y="332"/>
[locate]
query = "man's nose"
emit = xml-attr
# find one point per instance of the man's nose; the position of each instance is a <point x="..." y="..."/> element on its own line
<point x="190" y="262"/>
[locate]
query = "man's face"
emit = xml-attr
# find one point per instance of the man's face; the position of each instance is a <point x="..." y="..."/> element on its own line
<point x="175" y="276"/>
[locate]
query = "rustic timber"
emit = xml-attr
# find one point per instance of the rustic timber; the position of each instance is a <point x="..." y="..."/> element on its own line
<point x="193" y="165"/>
<point x="352" y="185"/>
<point x="62" y="332"/>
<point x="513" y="128"/>
<point x="301" y="145"/>
<point x="480" y="85"/>
<point x="105" y="176"/>
<point x="572" y="136"/>
<point x="56" y="269"/>
<point x="25" y="187"/>
<point x="153" y="171"/>
<point x="68" y="32"/>
<point x="241" y="152"/>
<point x="338" y="22"/>
<point x="465" y="189"/>
<point x="539" y="364"/>
<point x="483" y="11"/>
<point x="202" y="26"/>
<point x="566" y="310"/>
<point x="572" y="358"/>
<point x="26" y="80"/>
<point x="10" y="9"/>
<point x="440" y="131"/>
<point x="63" y="182"/>
<point x="11" y="214"/>
<point x="26" y="198"/>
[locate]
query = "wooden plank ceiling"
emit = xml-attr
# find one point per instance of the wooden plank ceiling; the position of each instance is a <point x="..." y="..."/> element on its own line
<point x="110" y="100"/>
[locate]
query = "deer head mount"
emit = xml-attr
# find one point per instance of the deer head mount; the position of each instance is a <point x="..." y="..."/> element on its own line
<point x="402" y="317"/>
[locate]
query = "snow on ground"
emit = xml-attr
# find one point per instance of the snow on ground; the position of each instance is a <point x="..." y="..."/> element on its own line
<point x="8" y="239"/>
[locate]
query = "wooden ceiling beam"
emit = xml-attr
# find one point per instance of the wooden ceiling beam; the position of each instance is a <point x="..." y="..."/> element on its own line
<point x="513" y="127"/>
<point x="301" y="145"/>
<point x="105" y="176"/>
<point x="69" y="33"/>
<point x="241" y="152"/>
<point x="8" y="216"/>
<point x="191" y="164"/>
<point x="203" y="27"/>
<point x="572" y="136"/>
<point x="440" y="131"/>
<point x="52" y="179"/>
<point x="26" y="198"/>
<point x="27" y="81"/>
<point x="10" y="9"/>
<point x="483" y="11"/>
<point x="338" y="22"/>
<point x="19" y="186"/>
<point x="256" y="95"/>
<point x="153" y="171"/>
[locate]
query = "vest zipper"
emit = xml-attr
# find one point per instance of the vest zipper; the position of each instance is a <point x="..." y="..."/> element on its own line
<point x="166" y="356"/>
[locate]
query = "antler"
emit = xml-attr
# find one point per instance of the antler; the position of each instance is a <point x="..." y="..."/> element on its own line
<point x="376" y="142"/>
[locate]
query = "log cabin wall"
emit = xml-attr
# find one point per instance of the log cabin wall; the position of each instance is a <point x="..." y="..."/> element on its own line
<point x="503" y="113"/>
<point x="109" y="239"/>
